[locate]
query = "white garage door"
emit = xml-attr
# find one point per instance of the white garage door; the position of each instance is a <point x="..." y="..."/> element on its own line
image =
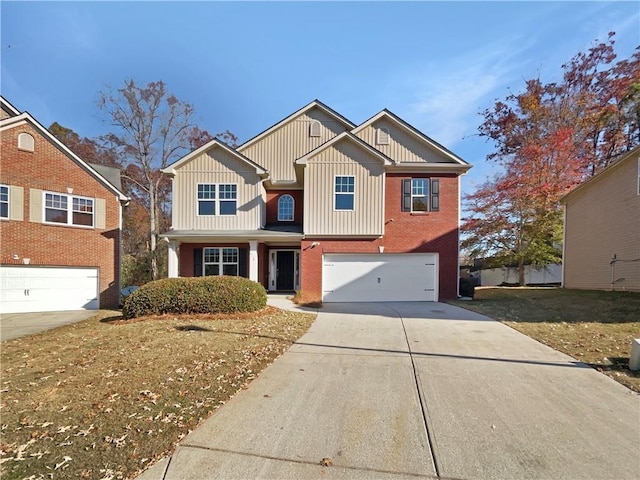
<point x="47" y="289"/>
<point x="380" y="277"/>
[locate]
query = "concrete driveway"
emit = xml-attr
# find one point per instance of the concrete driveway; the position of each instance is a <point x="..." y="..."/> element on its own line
<point x="416" y="390"/>
<point x="16" y="325"/>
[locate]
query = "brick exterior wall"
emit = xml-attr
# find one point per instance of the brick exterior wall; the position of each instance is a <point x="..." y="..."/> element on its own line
<point x="405" y="232"/>
<point x="48" y="168"/>
<point x="272" y="206"/>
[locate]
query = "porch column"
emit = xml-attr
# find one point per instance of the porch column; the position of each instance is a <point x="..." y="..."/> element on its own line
<point x="253" y="260"/>
<point x="172" y="260"/>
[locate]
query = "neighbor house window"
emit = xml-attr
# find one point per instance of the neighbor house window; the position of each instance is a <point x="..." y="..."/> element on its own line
<point x="421" y="195"/>
<point x="4" y="201"/>
<point x="285" y="208"/>
<point x="68" y="209"/>
<point x="344" y="193"/>
<point x="217" y="199"/>
<point x="220" y="261"/>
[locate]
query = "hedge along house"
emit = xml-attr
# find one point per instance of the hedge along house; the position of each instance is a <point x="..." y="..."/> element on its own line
<point x="60" y="223"/>
<point x="315" y="203"/>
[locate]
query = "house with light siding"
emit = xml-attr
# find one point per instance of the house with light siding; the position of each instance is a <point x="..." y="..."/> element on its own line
<point x="60" y="223"/>
<point x="322" y="206"/>
<point x="602" y="229"/>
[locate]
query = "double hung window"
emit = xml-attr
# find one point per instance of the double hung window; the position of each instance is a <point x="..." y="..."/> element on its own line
<point x="420" y="195"/>
<point x="344" y="193"/>
<point x="220" y="261"/>
<point x="217" y="199"/>
<point x="4" y="201"/>
<point x="68" y="210"/>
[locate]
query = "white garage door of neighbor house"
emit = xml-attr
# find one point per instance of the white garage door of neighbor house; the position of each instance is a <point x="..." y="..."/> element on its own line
<point x="380" y="277"/>
<point x="47" y="289"/>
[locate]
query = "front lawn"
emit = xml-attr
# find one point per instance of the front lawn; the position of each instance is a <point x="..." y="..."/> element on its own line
<point x="594" y="327"/>
<point x="105" y="398"/>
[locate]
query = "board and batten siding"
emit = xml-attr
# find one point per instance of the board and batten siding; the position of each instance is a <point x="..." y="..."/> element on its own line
<point x="344" y="158"/>
<point x="601" y="220"/>
<point x="403" y="147"/>
<point x="216" y="166"/>
<point x="277" y="151"/>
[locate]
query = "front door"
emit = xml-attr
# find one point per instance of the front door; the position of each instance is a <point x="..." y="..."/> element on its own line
<point x="285" y="269"/>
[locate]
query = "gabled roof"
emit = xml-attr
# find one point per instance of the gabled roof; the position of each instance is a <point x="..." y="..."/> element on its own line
<point x="412" y="131"/>
<point x="352" y="138"/>
<point x="171" y="169"/>
<point x="315" y="104"/>
<point x="7" y="107"/>
<point x="633" y="153"/>
<point x="21" y="119"/>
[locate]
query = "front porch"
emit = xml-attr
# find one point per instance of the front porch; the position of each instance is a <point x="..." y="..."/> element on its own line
<point x="270" y="257"/>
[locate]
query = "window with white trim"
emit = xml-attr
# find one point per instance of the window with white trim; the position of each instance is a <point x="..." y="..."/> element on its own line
<point x="344" y="192"/>
<point x="285" y="208"/>
<point x="4" y="201"/>
<point x="68" y="209"/>
<point x="220" y="261"/>
<point x="420" y="195"/>
<point x="217" y="199"/>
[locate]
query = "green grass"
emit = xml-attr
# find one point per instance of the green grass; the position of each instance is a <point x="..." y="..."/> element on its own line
<point x="594" y="327"/>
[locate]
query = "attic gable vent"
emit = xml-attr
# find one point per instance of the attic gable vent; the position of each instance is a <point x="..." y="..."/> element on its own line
<point x="26" y="142"/>
<point x="314" y="128"/>
<point x="382" y="136"/>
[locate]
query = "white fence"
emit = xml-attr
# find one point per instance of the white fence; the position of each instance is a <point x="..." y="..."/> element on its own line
<point x="532" y="275"/>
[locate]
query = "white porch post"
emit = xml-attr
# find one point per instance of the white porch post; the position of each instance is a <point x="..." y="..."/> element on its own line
<point x="172" y="263"/>
<point x="253" y="260"/>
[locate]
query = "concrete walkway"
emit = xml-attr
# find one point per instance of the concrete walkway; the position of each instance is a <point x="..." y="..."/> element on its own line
<point x="16" y="325"/>
<point x="416" y="390"/>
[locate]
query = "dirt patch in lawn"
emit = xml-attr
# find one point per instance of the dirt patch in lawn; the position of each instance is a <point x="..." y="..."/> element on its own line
<point x="594" y="327"/>
<point x="105" y="398"/>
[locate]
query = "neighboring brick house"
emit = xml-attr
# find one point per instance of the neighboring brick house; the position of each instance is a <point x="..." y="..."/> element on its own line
<point x="60" y="223"/>
<point x="602" y="229"/>
<point x="318" y="204"/>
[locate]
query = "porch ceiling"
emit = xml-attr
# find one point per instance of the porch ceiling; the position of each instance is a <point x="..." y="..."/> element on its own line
<point x="206" y="236"/>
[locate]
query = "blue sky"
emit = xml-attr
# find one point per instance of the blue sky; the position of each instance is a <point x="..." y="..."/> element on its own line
<point x="246" y="65"/>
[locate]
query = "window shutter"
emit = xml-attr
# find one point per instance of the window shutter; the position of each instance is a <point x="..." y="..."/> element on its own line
<point x="406" y="195"/>
<point x="435" y="195"/>
<point x="242" y="262"/>
<point x="197" y="262"/>
<point x="16" y="206"/>
<point x="100" y="213"/>
<point x="35" y="205"/>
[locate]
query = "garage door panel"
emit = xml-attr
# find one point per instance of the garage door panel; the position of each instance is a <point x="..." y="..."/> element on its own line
<point x="383" y="277"/>
<point x="40" y="289"/>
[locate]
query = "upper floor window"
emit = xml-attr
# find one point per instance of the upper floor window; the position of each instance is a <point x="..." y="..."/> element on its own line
<point x="4" y="201"/>
<point x="26" y="142"/>
<point x="344" y="192"/>
<point x="314" y="128"/>
<point x="220" y="261"/>
<point x="382" y="136"/>
<point x="420" y="195"/>
<point x="285" y="208"/>
<point x="68" y="209"/>
<point x="217" y="199"/>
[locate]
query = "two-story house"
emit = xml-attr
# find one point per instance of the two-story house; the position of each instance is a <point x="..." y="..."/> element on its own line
<point x="60" y="223"/>
<point x="317" y="204"/>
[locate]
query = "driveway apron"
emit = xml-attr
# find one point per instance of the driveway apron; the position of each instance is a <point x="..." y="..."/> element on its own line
<point x="416" y="390"/>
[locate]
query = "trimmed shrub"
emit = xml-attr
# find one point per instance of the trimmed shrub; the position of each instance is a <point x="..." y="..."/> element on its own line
<point x="214" y="294"/>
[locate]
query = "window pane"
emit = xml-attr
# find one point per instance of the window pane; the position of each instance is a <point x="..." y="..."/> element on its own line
<point x="206" y="207"/>
<point x="4" y="210"/>
<point x="206" y="191"/>
<point x="56" y="201"/>
<point x="419" y="186"/>
<point x="82" y="205"/>
<point x="55" y="216"/>
<point x="344" y="201"/>
<point x="211" y="255"/>
<point x="227" y="207"/>
<point x="85" y="219"/>
<point x="285" y="208"/>
<point x="419" y="204"/>
<point x="4" y="193"/>
<point x="211" y="270"/>
<point x="228" y="191"/>
<point x="230" y="270"/>
<point x="230" y="255"/>
<point x="344" y="184"/>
